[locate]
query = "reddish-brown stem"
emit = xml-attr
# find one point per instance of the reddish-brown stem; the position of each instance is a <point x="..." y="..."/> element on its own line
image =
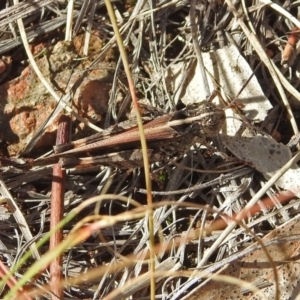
<point x="290" y="45"/>
<point x="57" y="208"/>
<point x="220" y="223"/>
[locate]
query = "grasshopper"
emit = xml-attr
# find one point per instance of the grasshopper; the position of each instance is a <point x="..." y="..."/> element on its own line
<point x="167" y="135"/>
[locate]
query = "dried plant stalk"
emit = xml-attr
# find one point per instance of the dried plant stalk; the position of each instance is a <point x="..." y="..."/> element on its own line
<point x="57" y="208"/>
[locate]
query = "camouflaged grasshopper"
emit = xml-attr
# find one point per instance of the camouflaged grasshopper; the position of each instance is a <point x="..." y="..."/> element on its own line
<point x="168" y="135"/>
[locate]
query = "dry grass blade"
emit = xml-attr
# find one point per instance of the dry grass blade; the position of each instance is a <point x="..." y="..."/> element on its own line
<point x="20" y="10"/>
<point x="19" y="217"/>
<point x="44" y="27"/>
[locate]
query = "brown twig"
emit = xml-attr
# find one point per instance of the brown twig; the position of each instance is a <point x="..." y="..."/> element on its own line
<point x="267" y="203"/>
<point x="290" y="46"/>
<point x="57" y="208"/>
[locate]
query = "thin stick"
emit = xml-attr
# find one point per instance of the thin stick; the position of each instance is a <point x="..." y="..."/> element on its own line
<point x="57" y="209"/>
